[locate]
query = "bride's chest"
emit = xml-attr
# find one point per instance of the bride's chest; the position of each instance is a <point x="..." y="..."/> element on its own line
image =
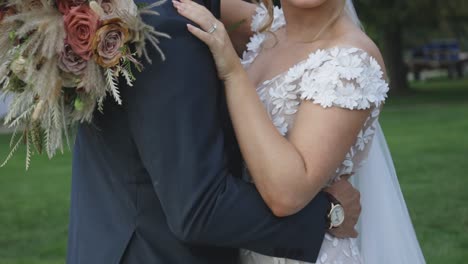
<point x="273" y="61"/>
<point x="281" y="100"/>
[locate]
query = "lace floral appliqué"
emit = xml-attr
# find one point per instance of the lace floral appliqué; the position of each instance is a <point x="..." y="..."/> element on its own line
<point x="344" y="77"/>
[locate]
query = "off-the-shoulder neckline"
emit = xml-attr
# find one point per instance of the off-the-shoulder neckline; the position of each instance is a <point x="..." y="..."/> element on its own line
<point x="306" y="59"/>
<point x="302" y="61"/>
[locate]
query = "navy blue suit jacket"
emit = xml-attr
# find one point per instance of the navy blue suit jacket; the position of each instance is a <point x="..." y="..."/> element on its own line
<point x="157" y="180"/>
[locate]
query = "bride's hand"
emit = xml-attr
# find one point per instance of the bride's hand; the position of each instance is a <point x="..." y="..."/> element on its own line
<point x="350" y="199"/>
<point x="213" y="33"/>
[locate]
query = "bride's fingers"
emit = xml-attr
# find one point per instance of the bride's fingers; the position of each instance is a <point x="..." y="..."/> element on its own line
<point x="202" y="35"/>
<point x="346" y="177"/>
<point x="196" y="13"/>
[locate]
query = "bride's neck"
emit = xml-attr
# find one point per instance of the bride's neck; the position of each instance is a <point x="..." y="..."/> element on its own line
<point x="304" y="24"/>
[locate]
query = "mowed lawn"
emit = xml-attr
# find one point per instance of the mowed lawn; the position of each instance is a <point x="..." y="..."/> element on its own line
<point x="427" y="133"/>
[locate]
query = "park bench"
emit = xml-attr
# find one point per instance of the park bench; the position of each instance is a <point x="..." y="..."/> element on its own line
<point x="441" y="54"/>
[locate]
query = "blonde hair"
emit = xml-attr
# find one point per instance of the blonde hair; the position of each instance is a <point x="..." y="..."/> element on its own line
<point x="271" y="15"/>
<point x="270" y="9"/>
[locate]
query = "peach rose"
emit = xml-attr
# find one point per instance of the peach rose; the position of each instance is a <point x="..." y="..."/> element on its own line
<point x="109" y="41"/>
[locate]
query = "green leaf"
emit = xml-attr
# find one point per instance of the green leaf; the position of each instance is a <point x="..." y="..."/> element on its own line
<point x="12" y="35"/>
<point x="236" y="25"/>
<point x="79" y="105"/>
<point x="16" y="85"/>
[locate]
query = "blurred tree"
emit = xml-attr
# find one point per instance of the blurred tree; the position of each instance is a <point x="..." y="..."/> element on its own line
<point x="391" y="21"/>
<point x="388" y="20"/>
<point x="454" y="18"/>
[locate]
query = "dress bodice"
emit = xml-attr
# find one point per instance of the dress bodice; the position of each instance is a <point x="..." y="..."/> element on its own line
<point x="344" y="77"/>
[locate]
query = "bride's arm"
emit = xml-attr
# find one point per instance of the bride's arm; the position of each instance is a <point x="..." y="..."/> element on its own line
<point x="237" y="15"/>
<point x="288" y="173"/>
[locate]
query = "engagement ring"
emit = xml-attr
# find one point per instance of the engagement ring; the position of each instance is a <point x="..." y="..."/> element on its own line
<point x="213" y="29"/>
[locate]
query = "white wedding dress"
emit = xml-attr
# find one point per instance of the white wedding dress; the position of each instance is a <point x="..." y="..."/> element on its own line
<point x="344" y="77"/>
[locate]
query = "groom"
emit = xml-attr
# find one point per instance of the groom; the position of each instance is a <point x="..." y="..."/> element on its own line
<point x="157" y="180"/>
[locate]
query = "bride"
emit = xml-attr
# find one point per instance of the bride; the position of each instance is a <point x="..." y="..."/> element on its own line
<point x="305" y="102"/>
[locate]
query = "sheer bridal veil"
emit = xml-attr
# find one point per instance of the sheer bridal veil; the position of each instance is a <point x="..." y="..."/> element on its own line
<point x="387" y="235"/>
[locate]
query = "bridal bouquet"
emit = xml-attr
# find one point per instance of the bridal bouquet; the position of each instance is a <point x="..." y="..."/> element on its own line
<point x="60" y="58"/>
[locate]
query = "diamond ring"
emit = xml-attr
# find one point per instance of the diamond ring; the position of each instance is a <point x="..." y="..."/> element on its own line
<point x="212" y="29"/>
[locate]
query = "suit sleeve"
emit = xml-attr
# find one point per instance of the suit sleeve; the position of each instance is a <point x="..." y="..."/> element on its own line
<point x="178" y="131"/>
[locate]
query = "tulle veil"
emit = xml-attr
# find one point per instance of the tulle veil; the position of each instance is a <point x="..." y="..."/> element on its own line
<point x="387" y="235"/>
<point x="386" y="232"/>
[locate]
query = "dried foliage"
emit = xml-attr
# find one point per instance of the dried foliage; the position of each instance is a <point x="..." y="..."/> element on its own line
<point x="50" y="99"/>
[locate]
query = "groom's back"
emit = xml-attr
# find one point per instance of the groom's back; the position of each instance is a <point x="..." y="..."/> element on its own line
<point x="116" y="215"/>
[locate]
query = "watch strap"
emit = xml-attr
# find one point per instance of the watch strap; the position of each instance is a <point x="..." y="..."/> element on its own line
<point x="333" y="201"/>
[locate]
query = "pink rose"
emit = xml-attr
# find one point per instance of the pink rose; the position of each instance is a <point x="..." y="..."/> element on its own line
<point x="81" y="24"/>
<point x="64" y="6"/>
<point x="70" y="62"/>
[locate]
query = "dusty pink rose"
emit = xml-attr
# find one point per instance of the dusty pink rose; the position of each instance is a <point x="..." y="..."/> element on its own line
<point x="6" y="11"/>
<point x="81" y="24"/>
<point x="109" y="41"/>
<point x="70" y="62"/>
<point x="108" y="6"/>
<point x="64" y="6"/>
<point x="2" y="13"/>
<point x="111" y="7"/>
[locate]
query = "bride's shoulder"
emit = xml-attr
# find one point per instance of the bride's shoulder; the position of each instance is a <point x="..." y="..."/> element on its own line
<point x="361" y="42"/>
<point x="346" y="74"/>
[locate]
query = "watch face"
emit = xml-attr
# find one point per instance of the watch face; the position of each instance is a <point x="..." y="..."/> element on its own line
<point x="337" y="216"/>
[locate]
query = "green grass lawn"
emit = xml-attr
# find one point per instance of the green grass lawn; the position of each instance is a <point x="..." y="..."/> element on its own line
<point x="33" y="209"/>
<point x="427" y="134"/>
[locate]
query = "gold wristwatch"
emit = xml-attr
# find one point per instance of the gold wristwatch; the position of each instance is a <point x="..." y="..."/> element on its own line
<point x="336" y="214"/>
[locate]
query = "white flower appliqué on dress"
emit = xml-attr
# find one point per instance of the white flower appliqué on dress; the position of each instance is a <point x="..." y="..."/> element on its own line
<point x="344" y="77"/>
